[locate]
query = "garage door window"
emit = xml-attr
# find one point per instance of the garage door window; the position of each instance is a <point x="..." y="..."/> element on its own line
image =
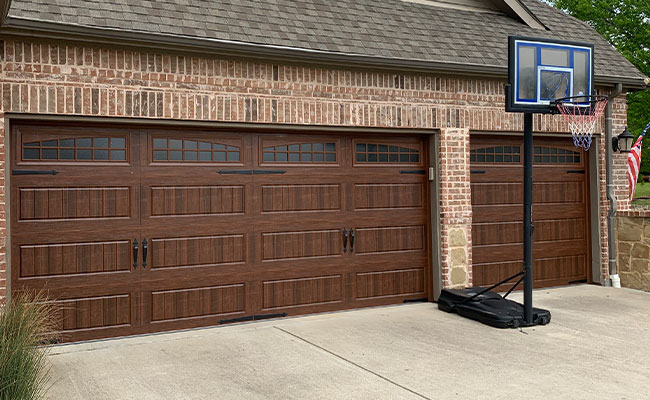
<point x="76" y="149"/>
<point x="553" y="155"/>
<point x="175" y="150"/>
<point x="496" y="155"/>
<point x="301" y="153"/>
<point x="386" y="153"/>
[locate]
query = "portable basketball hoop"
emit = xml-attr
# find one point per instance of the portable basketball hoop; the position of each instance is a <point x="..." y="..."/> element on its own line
<point x="543" y="74"/>
<point x="581" y="114"/>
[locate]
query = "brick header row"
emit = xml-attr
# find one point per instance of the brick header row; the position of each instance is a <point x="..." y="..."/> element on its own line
<point x="635" y="211"/>
<point x="49" y="78"/>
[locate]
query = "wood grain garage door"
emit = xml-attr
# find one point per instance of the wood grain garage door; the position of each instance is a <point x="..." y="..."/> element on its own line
<point x="560" y="211"/>
<point x="227" y="225"/>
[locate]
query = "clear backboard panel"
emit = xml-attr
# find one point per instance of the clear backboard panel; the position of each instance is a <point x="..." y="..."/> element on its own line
<point x="541" y="71"/>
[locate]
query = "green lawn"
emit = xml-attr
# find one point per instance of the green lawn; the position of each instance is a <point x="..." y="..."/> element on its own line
<point x="642" y="190"/>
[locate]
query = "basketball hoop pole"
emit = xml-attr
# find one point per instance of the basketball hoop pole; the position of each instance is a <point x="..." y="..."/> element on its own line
<point x="528" y="218"/>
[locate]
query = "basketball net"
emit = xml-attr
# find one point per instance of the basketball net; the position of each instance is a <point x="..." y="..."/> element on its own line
<point x="582" y="120"/>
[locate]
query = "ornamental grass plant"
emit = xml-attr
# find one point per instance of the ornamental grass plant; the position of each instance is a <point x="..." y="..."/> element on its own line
<point x="26" y="323"/>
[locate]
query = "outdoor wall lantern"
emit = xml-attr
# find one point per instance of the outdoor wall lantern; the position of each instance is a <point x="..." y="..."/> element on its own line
<point x="623" y="142"/>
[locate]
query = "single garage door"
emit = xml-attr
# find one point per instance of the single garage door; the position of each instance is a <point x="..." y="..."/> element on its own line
<point x="135" y="231"/>
<point x="560" y="211"/>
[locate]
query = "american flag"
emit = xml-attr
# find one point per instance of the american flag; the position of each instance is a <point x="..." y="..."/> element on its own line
<point x="634" y="162"/>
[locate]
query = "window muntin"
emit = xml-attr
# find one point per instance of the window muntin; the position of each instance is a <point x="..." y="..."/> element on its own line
<point x="553" y="155"/>
<point x="300" y="153"/>
<point x="194" y="151"/>
<point x="371" y="153"/>
<point x="83" y="149"/>
<point x="496" y="155"/>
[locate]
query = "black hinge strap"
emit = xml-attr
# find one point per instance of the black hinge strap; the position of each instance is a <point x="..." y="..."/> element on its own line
<point x="421" y="300"/>
<point x="267" y="316"/>
<point x="240" y="319"/>
<point x="576" y="171"/>
<point x="33" y="172"/>
<point x="413" y="171"/>
<point x="236" y="172"/>
<point x="252" y="318"/>
<point x="477" y="172"/>
<point x="252" y="172"/>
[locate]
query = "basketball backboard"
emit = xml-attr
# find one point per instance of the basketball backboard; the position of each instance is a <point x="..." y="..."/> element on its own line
<point x="541" y="71"/>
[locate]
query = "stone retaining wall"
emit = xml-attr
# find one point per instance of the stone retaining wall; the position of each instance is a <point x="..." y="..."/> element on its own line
<point x="633" y="241"/>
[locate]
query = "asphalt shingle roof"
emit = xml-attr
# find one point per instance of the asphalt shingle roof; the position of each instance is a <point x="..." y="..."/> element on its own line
<point x="389" y="28"/>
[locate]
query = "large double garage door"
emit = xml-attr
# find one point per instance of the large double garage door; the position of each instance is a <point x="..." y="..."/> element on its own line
<point x="561" y="238"/>
<point x="134" y="231"/>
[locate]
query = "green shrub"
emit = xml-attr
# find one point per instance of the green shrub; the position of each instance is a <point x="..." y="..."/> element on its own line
<point x="26" y="322"/>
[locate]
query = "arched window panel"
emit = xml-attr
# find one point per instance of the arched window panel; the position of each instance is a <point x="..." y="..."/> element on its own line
<point x="554" y="155"/>
<point x="496" y="155"/>
<point x="300" y="153"/>
<point x="80" y="149"/>
<point x="194" y="151"/>
<point x="370" y="153"/>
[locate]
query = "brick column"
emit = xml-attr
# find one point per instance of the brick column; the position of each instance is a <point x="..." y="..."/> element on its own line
<point x="456" y="208"/>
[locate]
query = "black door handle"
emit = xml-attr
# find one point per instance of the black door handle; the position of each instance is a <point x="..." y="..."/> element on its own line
<point x="345" y="240"/>
<point x="135" y="253"/>
<point x="351" y="240"/>
<point x="144" y="252"/>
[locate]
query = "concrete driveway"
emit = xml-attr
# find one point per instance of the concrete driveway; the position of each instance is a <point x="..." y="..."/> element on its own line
<point x="596" y="347"/>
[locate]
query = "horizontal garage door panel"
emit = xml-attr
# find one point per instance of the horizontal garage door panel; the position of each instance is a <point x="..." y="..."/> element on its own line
<point x="303" y="292"/>
<point x="509" y="252"/>
<point x="197" y="200"/>
<point x="512" y="193"/>
<point x="389" y="283"/>
<point x="515" y="212"/>
<point x="292" y="245"/>
<point x="197" y="251"/>
<point x="513" y="232"/>
<point x="560" y="211"/>
<point x="169" y="305"/>
<point x="188" y="228"/>
<point x="565" y="268"/>
<point x="74" y="203"/>
<point x="388" y="196"/>
<point x="58" y="259"/>
<point x="94" y="313"/>
<point x="291" y="198"/>
<point x="389" y="239"/>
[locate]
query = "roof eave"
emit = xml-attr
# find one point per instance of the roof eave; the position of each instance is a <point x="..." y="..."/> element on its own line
<point x="518" y="10"/>
<point x="59" y="31"/>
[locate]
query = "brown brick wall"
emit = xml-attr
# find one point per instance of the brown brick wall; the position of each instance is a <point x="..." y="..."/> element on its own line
<point x="619" y="178"/>
<point x="44" y="78"/>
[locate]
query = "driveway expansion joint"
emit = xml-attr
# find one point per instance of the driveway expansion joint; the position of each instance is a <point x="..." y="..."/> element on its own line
<point x="351" y="362"/>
